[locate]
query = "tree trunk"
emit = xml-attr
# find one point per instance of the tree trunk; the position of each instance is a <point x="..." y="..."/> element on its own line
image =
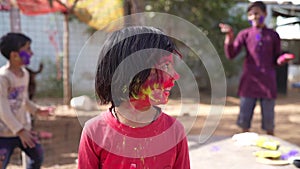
<point x="137" y="6"/>
<point x="132" y="7"/>
<point x="66" y="74"/>
<point x="15" y="22"/>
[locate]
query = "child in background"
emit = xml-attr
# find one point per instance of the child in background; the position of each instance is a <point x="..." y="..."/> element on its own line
<point x="258" y="81"/>
<point x="135" y="74"/>
<point x="15" y="123"/>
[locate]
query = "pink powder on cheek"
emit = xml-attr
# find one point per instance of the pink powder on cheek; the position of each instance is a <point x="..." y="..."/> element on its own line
<point x="140" y="102"/>
<point x="168" y="80"/>
<point x="153" y="90"/>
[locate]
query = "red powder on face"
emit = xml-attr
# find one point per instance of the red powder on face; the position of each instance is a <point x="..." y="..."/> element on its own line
<point x="156" y="89"/>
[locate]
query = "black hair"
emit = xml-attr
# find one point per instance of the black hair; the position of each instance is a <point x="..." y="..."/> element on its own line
<point x="119" y="76"/>
<point x="258" y="4"/>
<point x="12" y="42"/>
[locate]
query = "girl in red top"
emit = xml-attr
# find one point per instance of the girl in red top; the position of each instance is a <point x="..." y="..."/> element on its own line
<point x="135" y="73"/>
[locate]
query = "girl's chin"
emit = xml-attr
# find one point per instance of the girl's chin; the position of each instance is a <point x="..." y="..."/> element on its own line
<point x="162" y="100"/>
<point x="159" y="102"/>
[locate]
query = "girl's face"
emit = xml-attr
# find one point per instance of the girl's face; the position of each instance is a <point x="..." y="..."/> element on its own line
<point x="156" y="89"/>
<point x="256" y="17"/>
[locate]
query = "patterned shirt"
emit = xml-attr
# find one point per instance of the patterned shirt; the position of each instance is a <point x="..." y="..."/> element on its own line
<point x="14" y="102"/>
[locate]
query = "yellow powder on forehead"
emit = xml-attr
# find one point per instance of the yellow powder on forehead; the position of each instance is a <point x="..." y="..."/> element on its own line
<point x="156" y="86"/>
<point x="147" y="91"/>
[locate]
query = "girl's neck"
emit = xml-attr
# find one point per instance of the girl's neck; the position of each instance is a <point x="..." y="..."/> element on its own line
<point x="128" y="115"/>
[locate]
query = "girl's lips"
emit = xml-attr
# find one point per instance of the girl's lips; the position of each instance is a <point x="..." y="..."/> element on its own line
<point x="166" y="92"/>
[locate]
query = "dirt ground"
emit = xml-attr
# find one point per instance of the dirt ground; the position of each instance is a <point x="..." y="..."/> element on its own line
<point x="287" y="119"/>
<point x="61" y="150"/>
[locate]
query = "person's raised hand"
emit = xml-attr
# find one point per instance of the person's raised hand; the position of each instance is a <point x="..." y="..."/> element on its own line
<point x="225" y="28"/>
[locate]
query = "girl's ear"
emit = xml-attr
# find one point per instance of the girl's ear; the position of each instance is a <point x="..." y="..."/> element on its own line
<point x="14" y="56"/>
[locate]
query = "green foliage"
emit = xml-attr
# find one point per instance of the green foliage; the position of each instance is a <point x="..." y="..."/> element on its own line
<point x="49" y="85"/>
<point x="206" y="15"/>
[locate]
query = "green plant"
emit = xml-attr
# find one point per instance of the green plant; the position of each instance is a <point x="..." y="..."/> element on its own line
<point x="50" y="85"/>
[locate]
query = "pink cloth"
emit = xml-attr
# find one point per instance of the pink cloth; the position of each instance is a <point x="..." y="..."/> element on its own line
<point x="284" y="58"/>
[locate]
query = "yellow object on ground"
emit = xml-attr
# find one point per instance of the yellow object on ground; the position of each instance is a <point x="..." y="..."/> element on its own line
<point x="267" y="143"/>
<point x="268" y="154"/>
<point x="272" y="162"/>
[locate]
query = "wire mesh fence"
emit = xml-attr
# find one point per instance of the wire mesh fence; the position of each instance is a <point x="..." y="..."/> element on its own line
<point x="46" y="32"/>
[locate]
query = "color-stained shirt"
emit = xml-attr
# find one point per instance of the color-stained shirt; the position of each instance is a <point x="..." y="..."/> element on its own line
<point x="108" y="144"/>
<point x="14" y="102"/>
<point x="262" y="50"/>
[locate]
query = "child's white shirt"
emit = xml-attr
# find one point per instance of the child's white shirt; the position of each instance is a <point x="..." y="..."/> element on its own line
<point x="14" y="102"/>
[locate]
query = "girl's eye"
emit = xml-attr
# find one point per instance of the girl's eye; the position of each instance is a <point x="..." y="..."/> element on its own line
<point x="166" y="66"/>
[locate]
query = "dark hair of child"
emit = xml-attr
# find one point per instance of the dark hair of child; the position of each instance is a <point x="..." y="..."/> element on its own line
<point x="12" y="42"/>
<point x="116" y="82"/>
<point x="258" y="4"/>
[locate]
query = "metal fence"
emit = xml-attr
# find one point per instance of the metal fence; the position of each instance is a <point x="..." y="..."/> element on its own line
<point x="46" y="32"/>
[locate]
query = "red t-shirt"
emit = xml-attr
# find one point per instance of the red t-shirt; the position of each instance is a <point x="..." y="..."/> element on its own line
<point x="108" y="144"/>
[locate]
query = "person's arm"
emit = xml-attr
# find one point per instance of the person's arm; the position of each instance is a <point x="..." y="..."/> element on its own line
<point x="183" y="159"/>
<point x="281" y="58"/>
<point x="36" y="109"/>
<point x="277" y="49"/>
<point x="231" y="46"/>
<point x="31" y="106"/>
<point x="284" y="58"/>
<point x="87" y="153"/>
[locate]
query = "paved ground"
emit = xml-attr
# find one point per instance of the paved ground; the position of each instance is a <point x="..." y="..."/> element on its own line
<point x="287" y="125"/>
